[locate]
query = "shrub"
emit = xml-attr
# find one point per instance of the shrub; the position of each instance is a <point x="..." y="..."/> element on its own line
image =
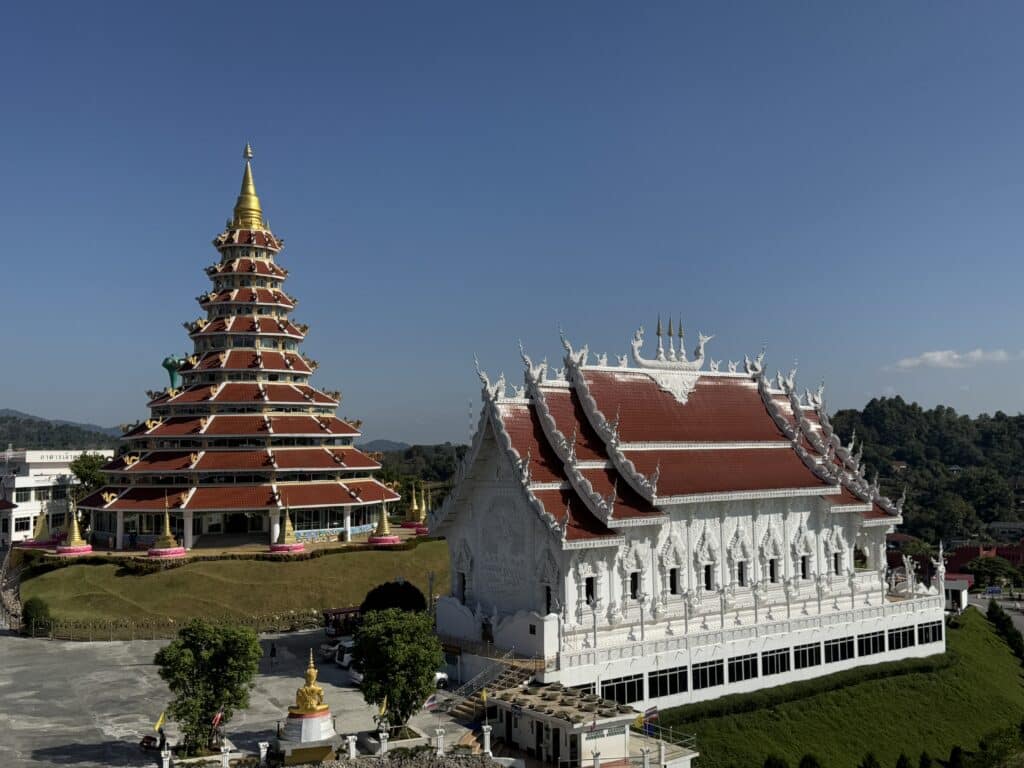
<point x="35" y="616"/>
<point x="869" y="761"/>
<point x="775" y="762"/>
<point x="809" y="761"/>
<point x="924" y="761"/>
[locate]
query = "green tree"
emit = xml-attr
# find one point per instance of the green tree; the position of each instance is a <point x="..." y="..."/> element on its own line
<point x="810" y="761"/>
<point x="988" y="571"/>
<point x="772" y="761"/>
<point x="869" y="761"/>
<point x="35" y="616"/>
<point x="88" y="469"/>
<point x="903" y="761"/>
<point x="207" y="668"/>
<point x="924" y="761"/>
<point x="394" y="594"/>
<point x="398" y="654"/>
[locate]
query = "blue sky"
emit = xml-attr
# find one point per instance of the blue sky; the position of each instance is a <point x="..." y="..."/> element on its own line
<point x="843" y="183"/>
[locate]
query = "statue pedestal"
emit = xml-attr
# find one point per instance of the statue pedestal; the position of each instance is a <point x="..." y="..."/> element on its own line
<point x="288" y="549"/>
<point x="166" y="553"/>
<point x="422" y="530"/>
<point x="82" y="549"/>
<point x="385" y="541"/>
<point x="410" y="524"/>
<point x="307" y="738"/>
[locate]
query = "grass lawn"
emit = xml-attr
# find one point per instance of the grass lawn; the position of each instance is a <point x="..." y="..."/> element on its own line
<point x="981" y="691"/>
<point x="221" y="588"/>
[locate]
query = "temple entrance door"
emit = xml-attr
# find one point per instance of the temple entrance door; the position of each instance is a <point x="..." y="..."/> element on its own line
<point x="556" y="745"/>
<point x="236" y="523"/>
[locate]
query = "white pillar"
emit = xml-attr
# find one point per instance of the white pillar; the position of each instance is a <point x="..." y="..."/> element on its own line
<point x="225" y="756"/>
<point x="646" y="752"/>
<point x="383" y="743"/>
<point x="661" y="754"/>
<point x="119" y="531"/>
<point x="165" y="757"/>
<point x="186" y="529"/>
<point x="487" y="740"/>
<point x="275" y="525"/>
<point x="439" y="732"/>
<point x="351" y="740"/>
<point x="264" y="748"/>
<point x="348" y="524"/>
<point x="597" y="758"/>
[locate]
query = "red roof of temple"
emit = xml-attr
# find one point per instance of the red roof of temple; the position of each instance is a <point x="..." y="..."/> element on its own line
<point x="260" y="237"/>
<point x="247" y="266"/>
<point x="247" y="296"/>
<point x="582" y="524"/>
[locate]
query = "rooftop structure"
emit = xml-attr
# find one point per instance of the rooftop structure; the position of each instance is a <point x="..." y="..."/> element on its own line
<point x="667" y="532"/>
<point x="240" y="435"/>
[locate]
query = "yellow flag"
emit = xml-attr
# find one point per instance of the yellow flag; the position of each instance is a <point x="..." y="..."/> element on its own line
<point x="384" y="706"/>
<point x="483" y="695"/>
<point x="160" y="721"/>
<point x="639" y="722"/>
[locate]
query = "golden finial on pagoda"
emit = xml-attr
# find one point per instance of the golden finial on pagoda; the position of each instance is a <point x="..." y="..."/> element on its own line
<point x="310" y="697"/>
<point x="74" y="534"/>
<point x="248" y="211"/>
<point x="287" y="534"/>
<point x="383" y="526"/>
<point x="424" y="507"/>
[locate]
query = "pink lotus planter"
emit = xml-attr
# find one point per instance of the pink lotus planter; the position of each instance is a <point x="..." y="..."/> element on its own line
<point x="410" y="524"/>
<point x="288" y="549"/>
<point x="384" y="541"/>
<point x="83" y="549"/>
<point x="166" y="553"/>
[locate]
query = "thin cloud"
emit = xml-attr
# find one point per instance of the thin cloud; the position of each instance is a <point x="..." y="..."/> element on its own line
<point x="950" y="358"/>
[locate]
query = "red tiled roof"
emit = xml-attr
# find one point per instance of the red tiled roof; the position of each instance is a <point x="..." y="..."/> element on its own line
<point x="719" y="409"/>
<point x="528" y="439"/>
<point x="352" y="492"/>
<point x="304" y="458"/>
<point x="244" y="359"/>
<point x="847" y="497"/>
<point x="5" y="504"/>
<point x="232" y="497"/>
<point x="259" y="237"/>
<point x="567" y="411"/>
<point x="582" y="524"/>
<point x="628" y="503"/>
<point x="162" y="461"/>
<point x="353" y="458"/>
<point x="247" y="296"/>
<point x="248" y="266"/>
<point x="686" y="472"/>
<point x="233" y="460"/>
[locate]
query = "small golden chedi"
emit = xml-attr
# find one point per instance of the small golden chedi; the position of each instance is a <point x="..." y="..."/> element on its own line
<point x="309" y="699"/>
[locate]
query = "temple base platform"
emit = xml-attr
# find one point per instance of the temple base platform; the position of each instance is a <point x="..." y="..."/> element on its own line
<point x="410" y="523"/>
<point x="308" y="738"/>
<point x="166" y="553"/>
<point x="83" y="549"/>
<point x="385" y="541"/>
<point x="288" y="549"/>
<point x="422" y="530"/>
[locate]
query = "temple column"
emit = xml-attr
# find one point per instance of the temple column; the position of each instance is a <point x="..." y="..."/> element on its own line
<point x="275" y="525"/>
<point x="348" y="523"/>
<point x="186" y="529"/>
<point x="119" y="531"/>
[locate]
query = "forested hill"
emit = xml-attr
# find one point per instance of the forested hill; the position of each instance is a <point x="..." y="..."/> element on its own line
<point x="27" y="432"/>
<point x="960" y="472"/>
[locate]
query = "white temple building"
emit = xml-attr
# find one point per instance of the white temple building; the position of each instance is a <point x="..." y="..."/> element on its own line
<point x="661" y="533"/>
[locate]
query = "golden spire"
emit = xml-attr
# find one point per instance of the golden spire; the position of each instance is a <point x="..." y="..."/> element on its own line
<point x="74" y="535"/>
<point x="287" y="534"/>
<point x="248" y="212"/>
<point x="425" y="506"/>
<point x="383" y="526"/>
<point x="166" y="540"/>
<point x="42" y="531"/>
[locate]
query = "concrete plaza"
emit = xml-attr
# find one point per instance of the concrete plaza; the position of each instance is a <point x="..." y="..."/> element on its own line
<point x="89" y="704"/>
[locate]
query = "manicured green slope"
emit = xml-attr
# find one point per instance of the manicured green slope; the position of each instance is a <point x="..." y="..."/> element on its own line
<point x="980" y="691"/>
<point x="221" y="588"/>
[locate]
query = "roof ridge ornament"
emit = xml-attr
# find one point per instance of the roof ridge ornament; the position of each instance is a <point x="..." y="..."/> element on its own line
<point x="756" y="366"/>
<point x="677" y="363"/>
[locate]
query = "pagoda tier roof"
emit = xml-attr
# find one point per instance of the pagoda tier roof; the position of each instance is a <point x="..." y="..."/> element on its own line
<point x="249" y="360"/>
<point x="237" y="324"/>
<point x="259" y="237"/>
<point x="265" y="496"/>
<point x="270" y="296"/>
<point x="246" y="392"/>
<point x="241" y="425"/>
<point x="216" y="460"/>
<point x="5" y="504"/>
<point x="247" y="266"/>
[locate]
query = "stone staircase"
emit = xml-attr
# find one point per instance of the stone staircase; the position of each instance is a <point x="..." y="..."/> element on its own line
<point x="509" y="675"/>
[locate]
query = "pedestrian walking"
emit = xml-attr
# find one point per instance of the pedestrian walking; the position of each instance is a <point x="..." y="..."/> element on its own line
<point x="273" y="654"/>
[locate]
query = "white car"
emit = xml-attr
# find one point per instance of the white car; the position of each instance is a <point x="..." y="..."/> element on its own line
<point x="329" y="650"/>
<point x="343" y="653"/>
<point x="354" y="675"/>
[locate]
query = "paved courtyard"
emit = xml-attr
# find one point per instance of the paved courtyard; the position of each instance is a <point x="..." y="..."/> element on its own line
<point x="89" y="704"/>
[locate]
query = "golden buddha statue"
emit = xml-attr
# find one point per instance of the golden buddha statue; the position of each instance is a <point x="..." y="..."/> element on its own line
<point x="309" y="699"/>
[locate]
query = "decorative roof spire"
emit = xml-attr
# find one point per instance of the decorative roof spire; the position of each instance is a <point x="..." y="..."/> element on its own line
<point x="74" y="534"/>
<point x="383" y="526"/>
<point x="248" y="212"/>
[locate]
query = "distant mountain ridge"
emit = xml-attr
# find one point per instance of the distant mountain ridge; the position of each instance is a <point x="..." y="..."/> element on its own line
<point x="110" y="431"/>
<point x="23" y="432"/>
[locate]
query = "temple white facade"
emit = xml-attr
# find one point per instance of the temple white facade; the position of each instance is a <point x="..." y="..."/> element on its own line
<point x="660" y="533"/>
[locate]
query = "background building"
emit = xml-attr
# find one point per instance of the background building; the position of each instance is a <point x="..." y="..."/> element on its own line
<point x="663" y="533"/>
<point x="36" y="482"/>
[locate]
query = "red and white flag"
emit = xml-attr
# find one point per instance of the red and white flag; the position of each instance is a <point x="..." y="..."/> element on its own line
<point x="218" y="717"/>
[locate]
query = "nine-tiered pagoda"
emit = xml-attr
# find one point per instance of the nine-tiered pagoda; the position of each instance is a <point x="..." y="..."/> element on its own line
<point x="239" y="437"/>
